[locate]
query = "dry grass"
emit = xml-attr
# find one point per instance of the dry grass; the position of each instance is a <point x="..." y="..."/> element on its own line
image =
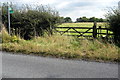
<point x="65" y="47"/>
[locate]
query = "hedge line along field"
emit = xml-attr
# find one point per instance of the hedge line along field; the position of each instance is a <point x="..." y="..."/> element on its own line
<point x="82" y="24"/>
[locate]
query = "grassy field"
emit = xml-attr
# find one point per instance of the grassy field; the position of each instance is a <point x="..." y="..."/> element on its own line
<point x="82" y="24"/>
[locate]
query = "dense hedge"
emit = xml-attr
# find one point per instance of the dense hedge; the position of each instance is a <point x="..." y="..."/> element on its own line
<point x="113" y="17"/>
<point x="28" y="21"/>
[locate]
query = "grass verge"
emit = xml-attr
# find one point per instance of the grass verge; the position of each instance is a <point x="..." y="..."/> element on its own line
<point x="62" y="47"/>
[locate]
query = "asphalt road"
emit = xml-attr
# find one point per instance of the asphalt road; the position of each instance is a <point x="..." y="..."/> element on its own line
<point x="24" y="66"/>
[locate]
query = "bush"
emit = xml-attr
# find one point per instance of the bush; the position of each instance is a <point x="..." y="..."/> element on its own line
<point x="29" y="22"/>
<point x="14" y="39"/>
<point x="113" y="17"/>
<point x="6" y="38"/>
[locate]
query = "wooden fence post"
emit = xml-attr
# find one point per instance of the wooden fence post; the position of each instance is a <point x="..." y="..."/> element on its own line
<point x="95" y="30"/>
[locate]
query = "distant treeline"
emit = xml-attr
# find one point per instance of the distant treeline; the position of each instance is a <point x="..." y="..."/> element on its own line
<point x="82" y="19"/>
<point x="92" y="19"/>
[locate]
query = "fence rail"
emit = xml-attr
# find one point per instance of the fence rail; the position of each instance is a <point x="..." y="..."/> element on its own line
<point x="94" y="32"/>
<point x="75" y="27"/>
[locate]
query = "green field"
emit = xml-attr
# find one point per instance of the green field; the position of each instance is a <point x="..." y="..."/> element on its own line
<point x="83" y="24"/>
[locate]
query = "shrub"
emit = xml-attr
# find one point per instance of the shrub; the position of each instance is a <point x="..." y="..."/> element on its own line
<point x="6" y="38"/>
<point x="113" y="17"/>
<point x="29" y="21"/>
<point x="14" y="39"/>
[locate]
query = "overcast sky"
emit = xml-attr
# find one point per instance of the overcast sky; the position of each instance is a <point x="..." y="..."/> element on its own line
<point x="74" y="8"/>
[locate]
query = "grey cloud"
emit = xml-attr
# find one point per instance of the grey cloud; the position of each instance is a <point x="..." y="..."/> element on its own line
<point x="76" y="6"/>
<point x="81" y="4"/>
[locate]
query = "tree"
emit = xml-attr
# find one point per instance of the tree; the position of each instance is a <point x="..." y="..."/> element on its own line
<point x="68" y="20"/>
<point x="82" y="19"/>
<point x="101" y="20"/>
<point x="79" y="19"/>
<point x="62" y="20"/>
<point x="92" y="19"/>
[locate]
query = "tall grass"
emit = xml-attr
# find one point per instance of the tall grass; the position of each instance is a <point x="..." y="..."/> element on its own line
<point x="65" y="47"/>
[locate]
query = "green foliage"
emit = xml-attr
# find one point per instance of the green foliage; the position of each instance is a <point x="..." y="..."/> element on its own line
<point x="113" y="17"/>
<point x="6" y="38"/>
<point x="92" y="19"/>
<point x="82" y="19"/>
<point x="14" y="39"/>
<point x="65" y="20"/>
<point x="29" y="22"/>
